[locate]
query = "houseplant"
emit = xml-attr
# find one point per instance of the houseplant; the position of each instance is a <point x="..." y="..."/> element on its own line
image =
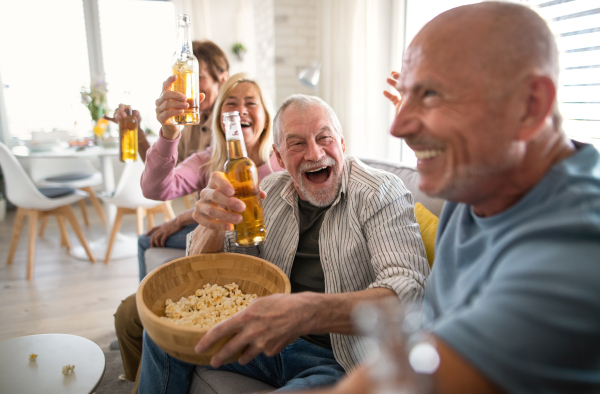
<point x="95" y="99"/>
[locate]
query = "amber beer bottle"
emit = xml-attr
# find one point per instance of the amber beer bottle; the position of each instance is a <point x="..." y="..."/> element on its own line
<point x="241" y="172"/>
<point x="185" y="66"/>
<point x="128" y="137"/>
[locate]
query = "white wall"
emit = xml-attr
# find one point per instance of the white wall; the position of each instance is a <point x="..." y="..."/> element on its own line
<point x="297" y="38"/>
<point x="264" y="24"/>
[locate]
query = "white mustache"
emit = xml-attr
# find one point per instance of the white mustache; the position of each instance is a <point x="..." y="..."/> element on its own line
<point x="324" y="162"/>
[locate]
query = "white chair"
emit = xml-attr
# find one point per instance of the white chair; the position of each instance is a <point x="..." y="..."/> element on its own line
<point x="73" y="173"/>
<point x="129" y="199"/>
<point x="30" y="202"/>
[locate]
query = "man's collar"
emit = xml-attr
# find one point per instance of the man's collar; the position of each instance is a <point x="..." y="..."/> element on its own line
<point x="290" y="195"/>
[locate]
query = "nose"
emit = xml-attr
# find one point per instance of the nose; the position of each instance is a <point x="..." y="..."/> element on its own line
<point x="406" y="121"/>
<point x="314" y="152"/>
<point x="242" y="109"/>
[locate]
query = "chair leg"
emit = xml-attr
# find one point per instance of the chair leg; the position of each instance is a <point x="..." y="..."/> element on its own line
<point x="84" y="213"/>
<point x="96" y="204"/>
<point x="43" y="226"/>
<point x="16" y="233"/>
<point x="67" y="212"/>
<point x="150" y="215"/>
<point x="33" y="218"/>
<point x="168" y="210"/>
<point x="186" y="202"/>
<point x="64" y="235"/>
<point x="113" y="234"/>
<point x="139" y="214"/>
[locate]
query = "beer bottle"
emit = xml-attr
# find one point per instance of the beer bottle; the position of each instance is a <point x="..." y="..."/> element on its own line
<point x="241" y="172"/>
<point x="128" y="137"/>
<point x="185" y="66"/>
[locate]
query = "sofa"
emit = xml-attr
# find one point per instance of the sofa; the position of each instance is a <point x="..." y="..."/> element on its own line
<point x="206" y="381"/>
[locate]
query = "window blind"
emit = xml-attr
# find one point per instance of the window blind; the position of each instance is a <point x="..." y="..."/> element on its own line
<point x="576" y="24"/>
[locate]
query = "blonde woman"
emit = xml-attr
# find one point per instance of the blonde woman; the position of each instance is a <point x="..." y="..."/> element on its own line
<point x="162" y="180"/>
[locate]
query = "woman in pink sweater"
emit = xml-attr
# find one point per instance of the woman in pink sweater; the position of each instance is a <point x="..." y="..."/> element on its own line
<point x="163" y="180"/>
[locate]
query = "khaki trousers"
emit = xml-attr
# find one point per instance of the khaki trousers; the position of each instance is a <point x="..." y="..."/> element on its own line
<point x="130" y="335"/>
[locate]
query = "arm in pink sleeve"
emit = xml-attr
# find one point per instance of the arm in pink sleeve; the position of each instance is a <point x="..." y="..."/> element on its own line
<point x="162" y="180"/>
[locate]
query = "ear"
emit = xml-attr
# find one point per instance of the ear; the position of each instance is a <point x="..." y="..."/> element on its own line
<point x="537" y="105"/>
<point x="278" y="156"/>
<point x="343" y="145"/>
<point x="223" y="77"/>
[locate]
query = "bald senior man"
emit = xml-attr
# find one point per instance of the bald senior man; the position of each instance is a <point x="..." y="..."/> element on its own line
<point x="515" y="287"/>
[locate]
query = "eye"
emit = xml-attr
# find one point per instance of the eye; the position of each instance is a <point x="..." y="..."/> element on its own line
<point x="431" y="98"/>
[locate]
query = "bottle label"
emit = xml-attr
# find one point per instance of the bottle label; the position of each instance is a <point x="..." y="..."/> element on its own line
<point x="234" y="132"/>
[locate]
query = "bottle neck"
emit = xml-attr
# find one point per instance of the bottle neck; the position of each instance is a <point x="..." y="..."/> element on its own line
<point x="236" y="148"/>
<point x="184" y="39"/>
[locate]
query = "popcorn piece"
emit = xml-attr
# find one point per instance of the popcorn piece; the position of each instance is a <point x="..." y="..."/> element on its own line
<point x="67" y="368"/>
<point x="208" y="306"/>
<point x="32" y="357"/>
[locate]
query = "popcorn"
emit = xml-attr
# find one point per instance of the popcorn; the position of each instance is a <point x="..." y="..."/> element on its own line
<point x="32" y="357"/>
<point x="67" y="368"/>
<point x="207" y="306"/>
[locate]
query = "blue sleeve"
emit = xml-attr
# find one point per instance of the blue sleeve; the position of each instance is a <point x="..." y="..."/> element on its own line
<point x="535" y="325"/>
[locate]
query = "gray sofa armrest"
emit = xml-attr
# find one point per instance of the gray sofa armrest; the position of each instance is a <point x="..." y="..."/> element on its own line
<point x="207" y="381"/>
<point x="155" y="257"/>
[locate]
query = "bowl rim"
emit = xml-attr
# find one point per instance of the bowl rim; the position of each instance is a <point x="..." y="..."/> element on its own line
<point x="141" y="305"/>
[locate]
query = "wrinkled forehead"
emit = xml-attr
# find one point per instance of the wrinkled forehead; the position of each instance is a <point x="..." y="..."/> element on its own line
<point x="436" y="57"/>
<point x="305" y="120"/>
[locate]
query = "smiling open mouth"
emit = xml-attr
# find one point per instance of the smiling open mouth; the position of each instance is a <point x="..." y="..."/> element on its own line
<point x="245" y="124"/>
<point x="318" y="175"/>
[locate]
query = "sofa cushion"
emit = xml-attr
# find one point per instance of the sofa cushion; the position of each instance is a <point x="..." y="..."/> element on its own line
<point x="428" y="224"/>
<point x="207" y="381"/>
<point x="155" y="257"/>
<point x="410" y="177"/>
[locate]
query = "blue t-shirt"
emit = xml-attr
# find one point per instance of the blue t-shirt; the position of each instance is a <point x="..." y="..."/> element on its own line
<point x="517" y="294"/>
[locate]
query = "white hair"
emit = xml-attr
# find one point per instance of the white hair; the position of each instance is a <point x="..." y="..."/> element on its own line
<point x="302" y="102"/>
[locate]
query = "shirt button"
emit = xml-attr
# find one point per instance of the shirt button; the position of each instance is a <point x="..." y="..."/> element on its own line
<point x="204" y="129"/>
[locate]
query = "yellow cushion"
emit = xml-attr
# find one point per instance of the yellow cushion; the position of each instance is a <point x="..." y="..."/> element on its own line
<point x="428" y="223"/>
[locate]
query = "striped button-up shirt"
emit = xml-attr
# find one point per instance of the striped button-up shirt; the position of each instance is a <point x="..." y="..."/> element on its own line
<point x="369" y="238"/>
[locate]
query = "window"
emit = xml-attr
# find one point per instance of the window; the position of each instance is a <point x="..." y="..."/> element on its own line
<point x="44" y="61"/>
<point x="576" y="24"/>
<point x="138" y="41"/>
<point x="43" y="64"/>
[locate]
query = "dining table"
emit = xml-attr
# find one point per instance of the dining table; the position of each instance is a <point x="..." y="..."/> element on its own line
<point x="125" y="246"/>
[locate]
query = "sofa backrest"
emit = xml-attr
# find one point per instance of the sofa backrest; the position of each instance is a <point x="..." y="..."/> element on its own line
<point x="410" y="177"/>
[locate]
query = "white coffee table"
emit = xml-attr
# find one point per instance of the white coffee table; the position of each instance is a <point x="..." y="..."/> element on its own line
<point x="44" y="375"/>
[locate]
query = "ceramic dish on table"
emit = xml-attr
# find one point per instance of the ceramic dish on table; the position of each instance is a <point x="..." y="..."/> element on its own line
<point x="182" y="277"/>
<point x="46" y="146"/>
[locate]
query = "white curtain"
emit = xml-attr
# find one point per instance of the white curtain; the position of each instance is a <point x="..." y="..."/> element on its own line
<point x="362" y="43"/>
<point x="4" y="132"/>
<point x="199" y="11"/>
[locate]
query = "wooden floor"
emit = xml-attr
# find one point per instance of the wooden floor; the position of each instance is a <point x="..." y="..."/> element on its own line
<point x="66" y="295"/>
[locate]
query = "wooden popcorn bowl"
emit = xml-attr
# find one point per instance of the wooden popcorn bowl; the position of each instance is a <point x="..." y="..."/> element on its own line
<point x="182" y="277"/>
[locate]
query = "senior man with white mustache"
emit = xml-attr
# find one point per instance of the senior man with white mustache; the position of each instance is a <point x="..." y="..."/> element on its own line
<point x="342" y="231"/>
